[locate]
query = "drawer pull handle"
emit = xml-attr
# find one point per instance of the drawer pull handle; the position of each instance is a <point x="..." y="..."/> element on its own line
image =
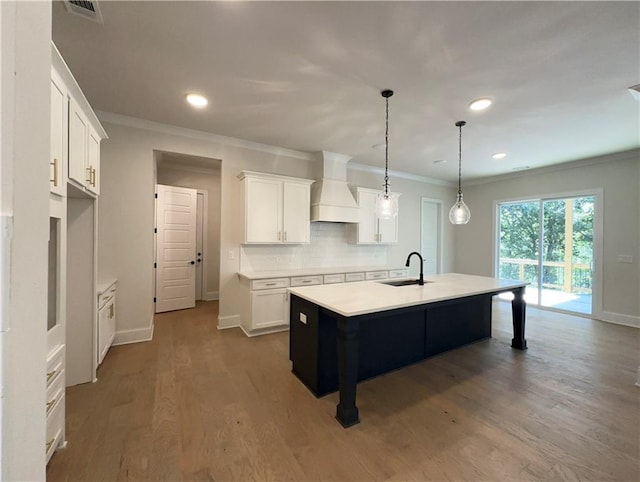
<point x="306" y="281"/>
<point x="271" y="284"/>
<point x="55" y="172"/>
<point x="51" y="403"/>
<point x="51" y="374"/>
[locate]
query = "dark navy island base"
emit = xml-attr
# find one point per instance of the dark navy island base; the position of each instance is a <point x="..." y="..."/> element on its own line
<point x="332" y="352"/>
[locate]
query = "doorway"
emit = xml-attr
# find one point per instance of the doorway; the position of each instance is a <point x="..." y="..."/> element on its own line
<point x="552" y="244"/>
<point x="431" y="235"/>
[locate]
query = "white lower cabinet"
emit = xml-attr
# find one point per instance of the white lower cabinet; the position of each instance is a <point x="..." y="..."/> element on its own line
<point x="269" y="308"/>
<point x="55" y="400"/>
<point x="106" y="320"/>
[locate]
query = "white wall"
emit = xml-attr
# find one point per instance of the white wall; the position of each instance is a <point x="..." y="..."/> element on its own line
<point x="618" y="176"/>
<point x="125" y="242"/>
<point x="209" y="181"/>
<point x="25" y="80"/>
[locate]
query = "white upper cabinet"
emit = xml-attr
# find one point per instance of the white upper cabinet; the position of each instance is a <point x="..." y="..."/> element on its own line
<point x="79" y="130"/>
<point x="276" y="208"/>
<point x="57" y="183"/>
<point x="370" y="229"/>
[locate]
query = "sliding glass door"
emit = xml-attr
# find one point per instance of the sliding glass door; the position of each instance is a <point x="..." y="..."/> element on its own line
<point x="549" y="242"/>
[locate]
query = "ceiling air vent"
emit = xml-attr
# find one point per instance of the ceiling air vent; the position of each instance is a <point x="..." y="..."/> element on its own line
<point x="85" y="9"/>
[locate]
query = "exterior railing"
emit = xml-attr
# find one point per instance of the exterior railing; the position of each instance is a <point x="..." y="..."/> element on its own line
<point x="557" y="275"/>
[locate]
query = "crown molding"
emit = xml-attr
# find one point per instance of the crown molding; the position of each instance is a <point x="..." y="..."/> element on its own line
<point x="401" y="174"/>
<point x="123" y="120"/>
<point x="630" y="154"/>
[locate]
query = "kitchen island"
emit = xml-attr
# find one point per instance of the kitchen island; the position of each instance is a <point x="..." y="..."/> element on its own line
<point x="343" y="334"/>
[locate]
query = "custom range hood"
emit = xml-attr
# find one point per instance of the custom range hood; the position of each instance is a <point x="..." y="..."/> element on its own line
<point x="331" y="199"/>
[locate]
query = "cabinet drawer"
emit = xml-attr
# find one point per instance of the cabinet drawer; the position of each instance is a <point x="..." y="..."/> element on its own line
<point x="55" y="364"/>
<point x="376" y="275"/>
<point x="55" y="392"/>
<point x="349" y="277"/>
<point x="398" y="273"/>
<point x="55" y="426"/>
<point x="106" y="296"/>
<point x="306" y="280"/>
<point x="267" y="284"/>
<point x="333" y="278"/>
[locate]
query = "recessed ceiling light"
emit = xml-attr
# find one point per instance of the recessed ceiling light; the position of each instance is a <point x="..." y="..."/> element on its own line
<point x="440" y="161"/>
<point x="521" y="168"/>
<point x="197" y="100"/>
<point x="480" y="104"/>
<point x="499" y="155"/>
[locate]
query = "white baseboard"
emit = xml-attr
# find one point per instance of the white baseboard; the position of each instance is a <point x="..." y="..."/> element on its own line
<point x="229" y="321"/>
<point x="124" y="337"/>
<point x="212" y="296"/>
<point x="620" y="319"/>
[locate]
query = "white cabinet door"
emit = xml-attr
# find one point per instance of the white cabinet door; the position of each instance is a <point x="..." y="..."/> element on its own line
<point x="93" y="161"/>
<point x="263" y="215"/>
<point x="372" y="230"/>
<point x="78" y="134"/>
<point x="367" y="230"/>
<point x="269" y="308"/>
<point x="296" y="224"/>
<point x="388" y="230"/>
<point x="103" y="333"/>
<point x="58" y="138"/>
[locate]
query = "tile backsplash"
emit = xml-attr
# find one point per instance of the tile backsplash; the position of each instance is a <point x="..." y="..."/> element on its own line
<point x="329" y="247"/>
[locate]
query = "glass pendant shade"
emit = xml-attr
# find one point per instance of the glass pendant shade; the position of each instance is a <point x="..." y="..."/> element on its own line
<point x="459" y="213"/>
<point x="386" y="205"/>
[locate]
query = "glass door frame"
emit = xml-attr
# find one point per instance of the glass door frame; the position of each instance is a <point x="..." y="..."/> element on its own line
<point x="598" y="233"/>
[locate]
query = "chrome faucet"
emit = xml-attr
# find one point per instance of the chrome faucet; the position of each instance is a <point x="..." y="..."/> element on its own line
<point x="421" y="279"/>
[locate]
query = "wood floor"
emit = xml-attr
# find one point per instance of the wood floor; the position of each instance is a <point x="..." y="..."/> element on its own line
<point x="201" y="404"/>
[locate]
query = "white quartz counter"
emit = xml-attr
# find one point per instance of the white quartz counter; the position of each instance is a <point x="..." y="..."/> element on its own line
<point x="372" y="296"/>
<point x="104" y="284"/>
<point x="287" y="273"/>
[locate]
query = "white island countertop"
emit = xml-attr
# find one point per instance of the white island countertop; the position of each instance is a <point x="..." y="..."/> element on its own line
<point x="364" y="297"/>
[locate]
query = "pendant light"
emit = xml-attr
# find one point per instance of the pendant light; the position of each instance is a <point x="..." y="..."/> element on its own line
<point x="386" y="201"/>
<point x="459" y="213"/>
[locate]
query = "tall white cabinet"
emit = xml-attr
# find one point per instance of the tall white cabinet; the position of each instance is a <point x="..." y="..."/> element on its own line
<point x="276" y="209"/>
<point x="74" y="166"/>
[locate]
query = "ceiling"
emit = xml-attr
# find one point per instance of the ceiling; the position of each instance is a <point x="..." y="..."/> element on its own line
<point x="308" y="76"/>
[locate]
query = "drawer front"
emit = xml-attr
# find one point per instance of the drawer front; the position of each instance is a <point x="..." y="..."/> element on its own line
<point x="55" y="364"/>
<point x="105" y="297"/>
<point x="55" y="428"/>
<point x="55" y="392"/>
<point x="349" y="277"/>
<point x="268" y="284"/>
<point x="306" y="280"/>
<point x="333" y="278"/>
<point x="376" y="275"/>
<point x="398" y="273"/>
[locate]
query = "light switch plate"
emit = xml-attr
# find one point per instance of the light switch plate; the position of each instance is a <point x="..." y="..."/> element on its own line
<point x="303" y="318"/>
<point x="625" y="258"/>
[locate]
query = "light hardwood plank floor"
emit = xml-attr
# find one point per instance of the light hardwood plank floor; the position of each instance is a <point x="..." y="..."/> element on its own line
<point x="201" y="404"/>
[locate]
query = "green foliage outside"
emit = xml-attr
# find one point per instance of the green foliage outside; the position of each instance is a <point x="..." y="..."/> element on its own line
<point x="519" y="228"/>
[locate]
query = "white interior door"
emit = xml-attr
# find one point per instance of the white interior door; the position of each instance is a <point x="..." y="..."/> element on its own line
<point x="431" y="229"/>
<point x="176" y="248"/>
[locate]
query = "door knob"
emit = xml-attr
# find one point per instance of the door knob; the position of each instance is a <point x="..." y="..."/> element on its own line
<point x="192" y="262"/>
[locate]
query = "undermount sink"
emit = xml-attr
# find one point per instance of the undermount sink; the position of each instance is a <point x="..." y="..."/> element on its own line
<point x="403" y="282"/>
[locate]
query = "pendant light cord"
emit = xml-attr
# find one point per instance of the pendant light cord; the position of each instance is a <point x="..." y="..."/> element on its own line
<point x="460" y="161"/>
<point x="460" y="124"/>
<point x="386" y="150"/>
